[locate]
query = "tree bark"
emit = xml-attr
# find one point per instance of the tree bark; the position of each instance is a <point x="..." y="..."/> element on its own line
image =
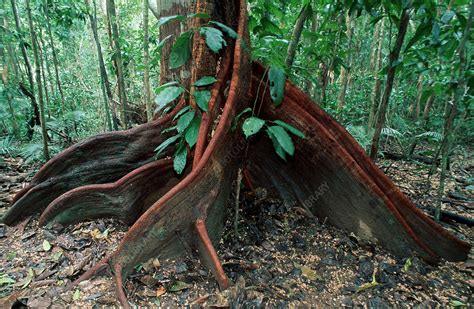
<point x="393" y="57"/>
<point x="112" y="16"/>
<point x="38" y="81"/>
<point x="146" y="64"/>
<point x="296" y="35"/>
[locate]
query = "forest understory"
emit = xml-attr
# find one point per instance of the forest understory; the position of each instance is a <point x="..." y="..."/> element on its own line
<point x="282" y="256"/>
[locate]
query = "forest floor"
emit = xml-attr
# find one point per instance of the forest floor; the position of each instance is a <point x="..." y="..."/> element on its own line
<point x="281" y="258"/>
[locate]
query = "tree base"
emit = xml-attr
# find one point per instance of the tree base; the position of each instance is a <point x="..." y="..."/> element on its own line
<point x="114" y="175"/>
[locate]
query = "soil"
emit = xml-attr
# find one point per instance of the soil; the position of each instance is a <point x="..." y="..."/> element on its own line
<point x="280" y="257"/>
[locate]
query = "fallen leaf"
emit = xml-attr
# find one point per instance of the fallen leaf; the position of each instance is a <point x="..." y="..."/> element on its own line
<point x="28" y="279"/>
<point x="407" y="265"/>
<point x="179" y="286"/>
<point x="160" y="291"/>
<point x="46" y="245"/>
<point x="76" y="295"/>
<point x="309" y="273"/>
<point x="5" y="279"/>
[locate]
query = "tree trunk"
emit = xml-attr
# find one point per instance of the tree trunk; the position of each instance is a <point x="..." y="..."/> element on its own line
<point x="345" y="73"/>
<point x="112" y="17"/>
<point x="55" y="62"/>
<point x="296" y="35"/>
<point x="38" y="81"/>
<point x="172" y="215"/>
<point x="110" y="104"/>
<point x="393" y="57"/>
<point x="414" y="109"/>
<point x="42" y="57"/>
<point x="36" y="119"/>
<point x="377" y="89"/>
<point x="146" y="64"/>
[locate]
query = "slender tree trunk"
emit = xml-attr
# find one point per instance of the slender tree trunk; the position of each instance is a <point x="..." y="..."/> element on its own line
<point x="146" y="64"/>
<point x="451" y="111"/>
<point x="36" y="114"/>
<point x="295" y="37"/>
<point x="327" y="69"/>
<point x="55" y="62"/>
<point x="42" y="56"/>
<point x="103" y="72"/>
<point x="377" y="89"/>
<point x="414" y="109"/>
<point x="426" y="111"/>
<point x="38" y="81"/>
<point x="345" y="73"/>
<point x="118" y="60"/>
<point x="394" y="55"/>
<point x="309" y="87"/>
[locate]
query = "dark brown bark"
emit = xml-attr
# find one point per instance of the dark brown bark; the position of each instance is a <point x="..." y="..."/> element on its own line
<point x="393" y="57"/>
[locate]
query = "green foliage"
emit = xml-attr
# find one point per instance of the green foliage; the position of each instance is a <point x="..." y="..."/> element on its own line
<point x="181" y="50"/>
<point x="277" y="84"/>
<point x="278" y="133"/>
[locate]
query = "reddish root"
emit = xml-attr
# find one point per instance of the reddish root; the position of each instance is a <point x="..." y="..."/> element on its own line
<point x="209" y="255"/>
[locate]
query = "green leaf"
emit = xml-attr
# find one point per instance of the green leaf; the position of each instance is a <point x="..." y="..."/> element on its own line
<point x="283" y="139"/>
<point x="181" y="50"/>
<point x="192" y="132"/>
<point x="199" y="15"/>
<point x="202" y="99"/>
<point x="214" y="38"/>
<point x="166" y="19"/>
<point x="162" y="43"/>
<point x="407" y="265"/>
<point x="457" y="303"/>
<point x="276" y="145"/>
<point x="184" y="121"/>
<point x="179" y="286"/>
<point x="252" y="125"/>
<point x="5" y="279"/>
<point x="230" y="32"/>
<point x="167" y="95"/>
<point x="182" y="111"/>
<point x="289" y="128"/>
<point x="166" y="143"/>
<point x="76" y="295"/>
<point x="46" y="245"/>
<point x="277" y="84"/>
<point x="447" y="16"/>
<point x="179" y="161"/>
<point x="205" y="81"/>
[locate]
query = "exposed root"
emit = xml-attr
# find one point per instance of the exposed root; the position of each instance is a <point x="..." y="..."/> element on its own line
<point x="126" y="199"/>
<point x="101" y="159"/>
<point x="209" y="255"/>
<point x="335" y="179"/>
